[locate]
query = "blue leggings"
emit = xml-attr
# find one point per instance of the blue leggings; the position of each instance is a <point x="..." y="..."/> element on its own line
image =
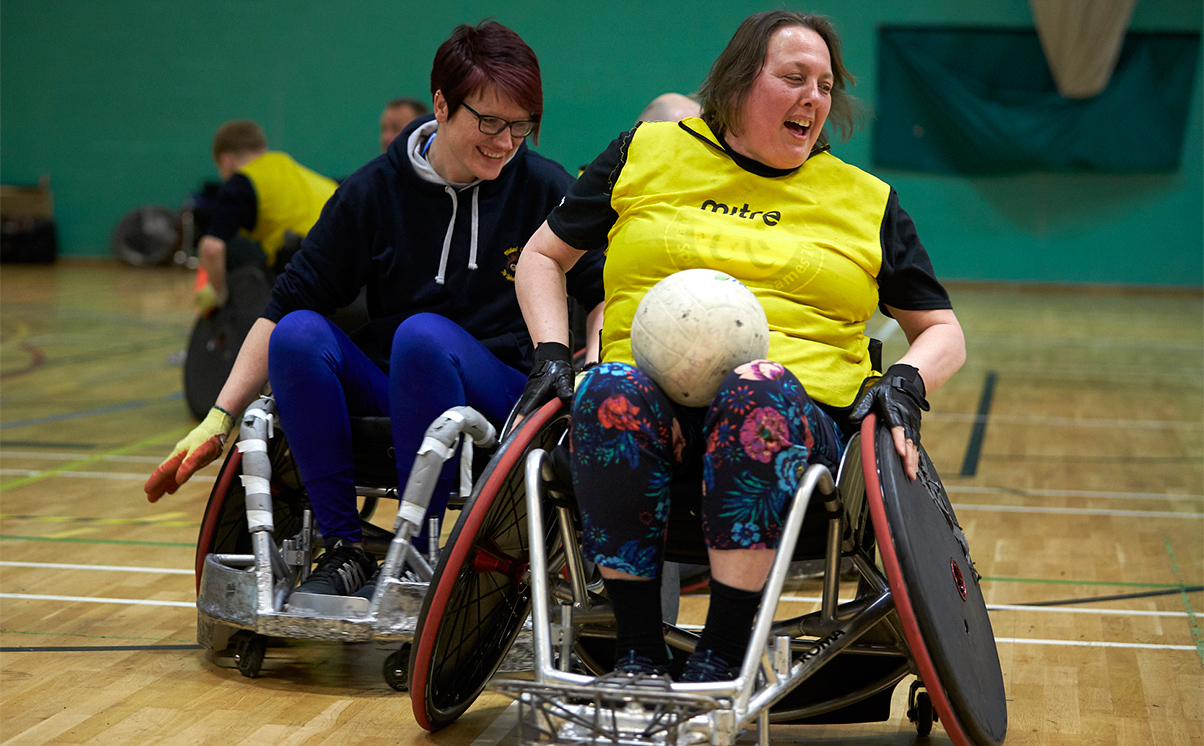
<point x="746" y="451"/>
<point x="320" y="379"/>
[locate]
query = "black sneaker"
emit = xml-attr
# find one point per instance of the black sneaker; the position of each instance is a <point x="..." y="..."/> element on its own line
<point x="704" y="665"/>
<point x="342" y="570"/>
<point x="369" y="589"/>
<point x="634" y="664"/>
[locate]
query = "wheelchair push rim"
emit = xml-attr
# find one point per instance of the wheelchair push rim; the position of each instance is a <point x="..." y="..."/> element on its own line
<point x="483" y="563"/>
<point x="940" y="605"/>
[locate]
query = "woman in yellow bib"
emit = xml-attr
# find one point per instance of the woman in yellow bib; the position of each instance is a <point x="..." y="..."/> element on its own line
<point x="750" y="189"/>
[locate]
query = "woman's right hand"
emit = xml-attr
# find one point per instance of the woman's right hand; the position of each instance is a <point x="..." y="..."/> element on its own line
<point x="195" y="451"/>
<point x="897" y="398"/>
<point x="551" y="375"/>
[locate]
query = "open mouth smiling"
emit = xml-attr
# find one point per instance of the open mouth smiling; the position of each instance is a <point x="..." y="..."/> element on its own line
<point x="799" y="127"/>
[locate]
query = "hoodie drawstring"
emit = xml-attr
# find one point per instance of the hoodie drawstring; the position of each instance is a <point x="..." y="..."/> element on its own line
<point x="451" y="226"/>
<point x="472" y="251"/>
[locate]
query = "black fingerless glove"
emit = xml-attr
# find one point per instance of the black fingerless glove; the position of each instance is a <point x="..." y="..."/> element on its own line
<point x="551" y="375"/>
<point x="897" y="397"/>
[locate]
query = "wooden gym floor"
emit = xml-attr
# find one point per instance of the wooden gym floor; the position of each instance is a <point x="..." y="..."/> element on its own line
<point x="1072" y="445"/>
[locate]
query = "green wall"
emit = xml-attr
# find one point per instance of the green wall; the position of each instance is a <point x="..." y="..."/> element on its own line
<point x="117" y="101"/>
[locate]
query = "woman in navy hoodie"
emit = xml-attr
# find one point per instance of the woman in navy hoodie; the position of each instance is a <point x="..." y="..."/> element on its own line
<point x="432" y="229"/>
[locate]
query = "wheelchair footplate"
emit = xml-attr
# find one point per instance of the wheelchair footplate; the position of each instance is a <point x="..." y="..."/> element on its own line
<point x="937" y="595"/>
<point x="616" y="708"/>
<point x="228" y="597"/>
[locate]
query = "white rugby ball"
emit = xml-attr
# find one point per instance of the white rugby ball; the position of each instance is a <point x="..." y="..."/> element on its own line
<point x="693" y="328"/>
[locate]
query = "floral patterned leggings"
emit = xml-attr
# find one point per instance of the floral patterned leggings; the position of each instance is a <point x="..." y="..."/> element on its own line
<point x="747" y="451"/>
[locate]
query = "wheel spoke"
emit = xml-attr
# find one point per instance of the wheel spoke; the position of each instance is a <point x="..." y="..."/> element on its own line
<point x="489" y="600"/>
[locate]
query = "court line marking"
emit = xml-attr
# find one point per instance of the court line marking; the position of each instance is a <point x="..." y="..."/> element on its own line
<point x="791" y="599"/>
<point x="103" y="568"/>
<point x="1061" y="343"/>
<point x="1197" y="635"/>
<point x="1078" y="511"/>
<point x="93" y="458"/>
<point x="1098" y="494"/>
<point x="37" y="358"/>
<point x="1022" y="607"/>
<point x="41" y="474"/>
<point x="85" y="413"/>
<point x="1168" y="381"/>
<point x="1072" y="581"/>
<point x="1039" y="641"/>
<point x="170" y="520"/>
<point x="192" y="605"/>
<point x="99" y="600"/>
<point x="1065" y="610"/>
<point x="74" y="456"/>
<point x="93" y="637"/>
<point x="979" y="432"/>
<point x="96" y="648"/>
<point x="78" y="540"/>
<point x="1092" y="643"/>
<point x="500" y="727"/>
<point x="1018" y="419"/>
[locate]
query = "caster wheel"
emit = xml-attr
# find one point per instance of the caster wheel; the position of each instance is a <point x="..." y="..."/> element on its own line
<point x="249" y="650"/>
<point x="397" y="669"/>
<point x="920" y="710"/>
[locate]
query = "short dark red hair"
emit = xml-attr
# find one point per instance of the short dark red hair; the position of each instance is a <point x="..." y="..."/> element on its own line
<point x="488" y="55"/>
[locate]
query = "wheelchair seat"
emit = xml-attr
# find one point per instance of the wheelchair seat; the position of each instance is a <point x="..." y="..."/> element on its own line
<point x="372" y="451"/>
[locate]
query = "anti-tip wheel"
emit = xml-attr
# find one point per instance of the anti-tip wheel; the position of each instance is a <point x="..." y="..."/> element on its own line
<point x="920" y="710"/>
<point x="397" y="668"/>
<point x="249" y="650"/>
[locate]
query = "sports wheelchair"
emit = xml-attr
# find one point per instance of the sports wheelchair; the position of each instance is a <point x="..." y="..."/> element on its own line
<point x="257" y="539"/>
<point x="920" y="611"/>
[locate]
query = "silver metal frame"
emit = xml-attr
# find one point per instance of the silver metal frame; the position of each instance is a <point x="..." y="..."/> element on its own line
<point x="252" y="592"/>
<point x="565" y="707"/>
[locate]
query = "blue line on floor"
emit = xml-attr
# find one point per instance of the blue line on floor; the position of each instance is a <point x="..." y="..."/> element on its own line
<point x="89" y="412"/>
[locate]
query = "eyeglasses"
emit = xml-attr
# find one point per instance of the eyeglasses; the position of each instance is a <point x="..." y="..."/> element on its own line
<point x="495" y="125"/>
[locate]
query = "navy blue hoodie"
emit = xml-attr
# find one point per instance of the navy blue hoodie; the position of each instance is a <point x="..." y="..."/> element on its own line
<point x="420" y="246"/>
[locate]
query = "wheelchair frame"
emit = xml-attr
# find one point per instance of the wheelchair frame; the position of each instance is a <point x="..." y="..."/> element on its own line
<point x="565" y="707"/>
<point x="245" y="598"/>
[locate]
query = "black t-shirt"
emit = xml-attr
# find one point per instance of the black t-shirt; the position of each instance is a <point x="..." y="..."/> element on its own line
<point x="237" y="207"/>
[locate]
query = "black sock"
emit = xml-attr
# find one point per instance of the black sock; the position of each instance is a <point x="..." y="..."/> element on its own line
<point x="637" y="605"/>
<point x="729" y="622"/>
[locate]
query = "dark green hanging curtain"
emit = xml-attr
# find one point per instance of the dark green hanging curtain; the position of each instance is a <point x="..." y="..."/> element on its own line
<point x="979" y="102"/>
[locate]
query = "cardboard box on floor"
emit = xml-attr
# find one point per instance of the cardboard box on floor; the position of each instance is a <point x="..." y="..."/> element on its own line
<point x="27" y="230"/>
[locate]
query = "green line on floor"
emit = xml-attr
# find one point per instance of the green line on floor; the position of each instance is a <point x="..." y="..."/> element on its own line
<point x="74" y="540"/>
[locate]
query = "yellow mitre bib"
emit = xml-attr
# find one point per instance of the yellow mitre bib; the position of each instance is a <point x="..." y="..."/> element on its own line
<point x="807" y="244"/>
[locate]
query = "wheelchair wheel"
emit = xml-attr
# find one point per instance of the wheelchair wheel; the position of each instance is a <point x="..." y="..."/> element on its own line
<point x="478" y="599"/>
<point x="217" y="338"/>
<point x="936" y="592"/>
<point x="224" y="525"/>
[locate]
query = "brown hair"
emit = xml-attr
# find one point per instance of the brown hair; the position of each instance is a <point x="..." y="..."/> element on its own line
<point x="239" y="136"/>
<point x="414" y="104"/>
<point x="488" y="55"/>
<point x="741" y="61"/>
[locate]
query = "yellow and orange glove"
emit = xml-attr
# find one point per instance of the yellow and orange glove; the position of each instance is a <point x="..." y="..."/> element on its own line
<point x="196" y="450"/>
<point x="204" y="297"/>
